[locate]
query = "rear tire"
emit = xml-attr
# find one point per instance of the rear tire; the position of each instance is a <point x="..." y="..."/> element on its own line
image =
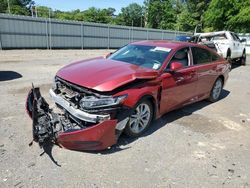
<point x="243" y="58"/>
<point x="228" y="58"/>
<point x="216" y="90"/>
<point x="140" y="120"/>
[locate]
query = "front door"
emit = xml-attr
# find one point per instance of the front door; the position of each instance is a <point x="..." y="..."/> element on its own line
<point x="179" y="88"/>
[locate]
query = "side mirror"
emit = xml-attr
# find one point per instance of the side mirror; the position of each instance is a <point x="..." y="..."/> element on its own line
<point x="176" y="66"/>
<point x="109" y="54"/>
<point x="243" y="40"/>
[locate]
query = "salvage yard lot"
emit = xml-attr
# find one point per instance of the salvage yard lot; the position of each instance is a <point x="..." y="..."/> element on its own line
<point x="200" y="145"/>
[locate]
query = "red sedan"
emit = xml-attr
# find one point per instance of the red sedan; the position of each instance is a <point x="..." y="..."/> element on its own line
<point x="100" y="98"/>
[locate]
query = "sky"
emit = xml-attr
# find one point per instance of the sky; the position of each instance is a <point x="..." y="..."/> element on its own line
<point x="68" y="5"/>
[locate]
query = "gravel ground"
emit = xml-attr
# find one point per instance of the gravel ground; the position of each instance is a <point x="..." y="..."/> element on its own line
<point x="202" y="145"/>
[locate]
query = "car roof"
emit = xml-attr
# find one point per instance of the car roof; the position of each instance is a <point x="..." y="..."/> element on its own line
<point x="213" y="33"/>
<point x="164" y="43"/>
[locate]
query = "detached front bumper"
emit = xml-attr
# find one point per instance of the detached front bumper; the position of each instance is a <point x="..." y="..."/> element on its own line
<point x="97" y="137"/>
<point x="100" y="133"/>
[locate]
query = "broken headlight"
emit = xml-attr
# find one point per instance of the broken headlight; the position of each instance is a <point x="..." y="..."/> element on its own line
<point x="90" y="102"/>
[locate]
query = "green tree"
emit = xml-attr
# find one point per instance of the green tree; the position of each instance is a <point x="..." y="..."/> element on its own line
<point x="240" y="22"/>
<point x="97" y="15"/>
<point x="219" y="13"/>
<point x="42" y="11"/>
<point x="191" y="16"/>
<point x="62" y="15"/>
<point x="21" y="7"/>
<point x="90" y="15"/>
<point x="160" y="14"/>
<point x="77" y="15"/>
<point x="185" y="20"/>
<point x="169" y="17"/>
<point x="109" y="11"/>
<point x="18" y="10"/>
<point x="3" y="6"/>
<point x="133" y="14"/>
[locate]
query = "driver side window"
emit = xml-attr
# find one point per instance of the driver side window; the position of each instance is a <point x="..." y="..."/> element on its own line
<point x="181" y="56"/>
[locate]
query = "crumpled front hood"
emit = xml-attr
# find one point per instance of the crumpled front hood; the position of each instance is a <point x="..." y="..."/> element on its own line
<point x="103" y="74"/>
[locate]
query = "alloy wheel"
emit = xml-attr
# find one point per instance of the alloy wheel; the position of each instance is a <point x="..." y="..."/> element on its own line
<point x="217" y="89"/>
<point x="140" y="119"/>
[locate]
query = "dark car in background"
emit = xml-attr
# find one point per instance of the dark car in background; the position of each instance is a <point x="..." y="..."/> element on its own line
<point x="183" y="38"/>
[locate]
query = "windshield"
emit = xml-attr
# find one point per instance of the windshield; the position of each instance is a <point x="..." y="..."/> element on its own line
<point x="146" y="56"/>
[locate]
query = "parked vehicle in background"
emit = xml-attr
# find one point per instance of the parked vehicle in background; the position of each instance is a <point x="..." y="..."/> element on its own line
<point x="228" y="45"/>
<point x="247" y="38"/>
<point x="101" y="98"/>
<point x="183" y="38"/>
<point x="196" y="39"/>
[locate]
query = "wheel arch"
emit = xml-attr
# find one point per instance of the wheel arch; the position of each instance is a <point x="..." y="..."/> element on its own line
<point x="222" y="78"/>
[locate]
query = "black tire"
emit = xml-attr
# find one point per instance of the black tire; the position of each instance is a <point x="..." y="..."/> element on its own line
<point x="216" y="92"/>
<point x="129" y="130"/>
<point x="243" y="58"/>
<point x="228" y="58"/>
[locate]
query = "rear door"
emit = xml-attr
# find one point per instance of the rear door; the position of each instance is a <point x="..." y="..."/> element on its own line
<point x="239" y="45"/>
<point x="205" y="63"/>
<point x="179" y="88"/>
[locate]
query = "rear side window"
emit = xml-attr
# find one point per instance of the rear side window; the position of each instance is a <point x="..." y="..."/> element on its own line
<point x="219" y="37"/>
<point x="215" y="57"/>
<point x="201" y="56"/>
<point x="235" y="37"/>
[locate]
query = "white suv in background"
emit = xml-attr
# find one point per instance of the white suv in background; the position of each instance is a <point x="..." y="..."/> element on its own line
<point x="228" y="45"/>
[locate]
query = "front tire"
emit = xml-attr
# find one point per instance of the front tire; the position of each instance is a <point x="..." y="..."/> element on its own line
<point x="216" y="90"/>
<point x="140" y="120"/>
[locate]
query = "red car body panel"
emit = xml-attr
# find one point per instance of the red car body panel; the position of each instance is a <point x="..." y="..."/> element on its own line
<point x="97" y="137"/>
<point x="177" y="89"/>
<point x="103" y="74"/>
<point x="167" y="91"/>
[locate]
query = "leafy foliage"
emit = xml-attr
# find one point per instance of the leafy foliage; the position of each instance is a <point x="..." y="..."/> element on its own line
<point x="185" y="21"/>
<point x="241" y="21"/>
<point x="228" y="14"/>
<point x="184" y="15"/>
<point x="160" y="14"/>
<point x="20" y="7"/>
<point x="219" y="13"/>
<point x="132" y="15"/>
<point x="3" y="6"/>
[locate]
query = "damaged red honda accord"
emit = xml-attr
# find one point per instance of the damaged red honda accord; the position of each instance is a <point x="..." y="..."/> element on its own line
<point x="98" y="99"/>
